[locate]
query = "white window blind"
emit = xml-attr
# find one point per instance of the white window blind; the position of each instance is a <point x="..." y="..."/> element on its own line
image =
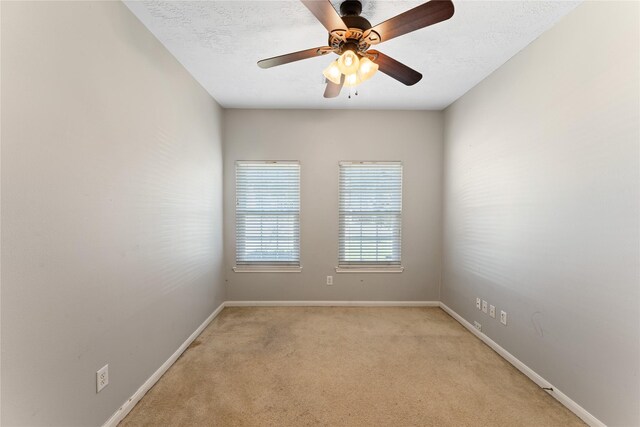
<point x="370" y="214"/>
<point x="267" y="213"/>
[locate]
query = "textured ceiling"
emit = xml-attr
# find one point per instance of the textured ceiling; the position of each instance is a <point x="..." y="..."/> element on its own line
<point x="219" y="42"/>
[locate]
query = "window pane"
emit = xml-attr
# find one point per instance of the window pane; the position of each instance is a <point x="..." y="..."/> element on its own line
<point x="267" y="213"/>
<point x="370" y="214"/>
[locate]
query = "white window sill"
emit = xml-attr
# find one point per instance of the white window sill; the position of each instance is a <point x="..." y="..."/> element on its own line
<point x="265" y="269"/>
<point x="369" y="269"/>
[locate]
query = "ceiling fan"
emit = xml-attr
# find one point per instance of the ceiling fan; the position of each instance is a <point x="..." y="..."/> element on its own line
<point x="351" y="36"/>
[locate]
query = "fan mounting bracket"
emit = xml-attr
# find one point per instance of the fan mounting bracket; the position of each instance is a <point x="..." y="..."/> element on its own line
<point x="351" y="8"/>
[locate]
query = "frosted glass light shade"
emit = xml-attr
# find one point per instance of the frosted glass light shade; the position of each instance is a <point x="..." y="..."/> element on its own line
<point x="352" y="80"/>
<point x="367" y="69"/>
<point x="348" y="62"/>
<point x="332" y="73"/>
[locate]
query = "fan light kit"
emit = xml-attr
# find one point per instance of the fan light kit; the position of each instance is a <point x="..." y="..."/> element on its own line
<point x="354" y="69"/>
<point x="351" y="36"/>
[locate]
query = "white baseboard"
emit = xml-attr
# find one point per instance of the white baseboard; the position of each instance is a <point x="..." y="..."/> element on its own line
<point x="332" y="304"/>
<point x="131" y="402"/>
<point x="557" y="394"/>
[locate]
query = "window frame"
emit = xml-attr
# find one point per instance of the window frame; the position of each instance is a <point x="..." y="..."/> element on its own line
<point x="266" y="267"/>
<point x="371" y="267"/>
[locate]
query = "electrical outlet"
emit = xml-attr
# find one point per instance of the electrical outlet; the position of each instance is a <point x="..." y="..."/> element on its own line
<point x="484" y="306"/>
<point x="478" y="326"/>
<point x="102" y="378"/>
<point x="492" y="311"/>
<point x="329" y="280"/>
<point x="503" y="317"/>
<point x="478" y="303"/>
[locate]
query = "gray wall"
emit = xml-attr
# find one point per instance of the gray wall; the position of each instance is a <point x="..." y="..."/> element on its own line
<point x="111" y="209"/>
<point x="112" y="191"/>
<point x="541" y="206"/>
<point x="319" y="140"/>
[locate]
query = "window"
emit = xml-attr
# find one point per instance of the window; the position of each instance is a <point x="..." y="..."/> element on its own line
<point x="267" y="216"/>
<point x="370" y="216"/>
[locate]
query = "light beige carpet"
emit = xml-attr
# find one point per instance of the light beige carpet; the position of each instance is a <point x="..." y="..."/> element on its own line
<point x="331" y="366"/>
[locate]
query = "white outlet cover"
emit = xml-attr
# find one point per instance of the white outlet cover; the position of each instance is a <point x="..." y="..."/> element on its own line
<point x="492" y="311"/>
<point x="329" y="280"/>
<point x="478" y="326"/>
<point x="478" y="303"/>
<point x="102" y="378"/>
<point x="484" y="306"/>
<point x="503" y="317"/>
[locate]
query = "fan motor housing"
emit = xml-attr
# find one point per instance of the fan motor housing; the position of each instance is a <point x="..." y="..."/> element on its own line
<point x="356" y="22"/>
<point x="358" y="35"/>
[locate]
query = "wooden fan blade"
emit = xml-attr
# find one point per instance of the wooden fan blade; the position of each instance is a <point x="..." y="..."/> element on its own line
<point x="292" y="57"/>
<point x="333" y="89"/>
<point x="325" y="13"/>
<point x="395" y="69"/>
<point x="419" y="17"/>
